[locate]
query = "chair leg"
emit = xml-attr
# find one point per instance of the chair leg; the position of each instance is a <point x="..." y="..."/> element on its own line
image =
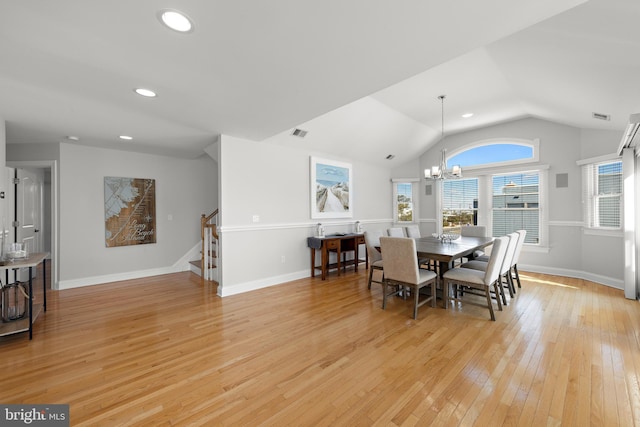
<point x="501" y="288"/>
<point x="508" y="283"/>
<point x="370" y="276"/>
<point x="416" y="293"/>
<point x="445" y="293"/>
<point x="490" y="303"/>
<point x="384" y="294"/>
<point x="433" y="292"/>
<point x="497" y="285"/>
<point x="515" y="269"/>
<point x="512" y="287"/>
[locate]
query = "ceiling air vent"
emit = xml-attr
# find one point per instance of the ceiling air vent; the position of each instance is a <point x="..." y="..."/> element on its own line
<point x="299" y="133"/>
<point x="601" y="116"/>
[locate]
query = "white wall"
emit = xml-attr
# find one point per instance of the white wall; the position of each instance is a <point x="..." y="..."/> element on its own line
<point x="31" y="152"/>
<point x="273" y="182"/>
<point x="570" y="252"/>
<point x="185" y="189"/>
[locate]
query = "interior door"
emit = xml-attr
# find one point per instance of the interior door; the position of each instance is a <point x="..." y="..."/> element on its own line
<point x="28" y="211"/>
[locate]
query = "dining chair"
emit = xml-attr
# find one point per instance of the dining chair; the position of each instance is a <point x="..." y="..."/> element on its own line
<point x="412" y="231"/>
<point x="395" y="232"/>
<point x="401" y="271"/>
<point x="514" y="265"/>
<point x="474" y="231"/>
<point x="372" y="242"/>
<point x="505" y="268"/>
<point x="479" y="280"/>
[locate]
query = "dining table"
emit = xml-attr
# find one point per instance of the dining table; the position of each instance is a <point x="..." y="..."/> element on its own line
<point x="445" y="252"/>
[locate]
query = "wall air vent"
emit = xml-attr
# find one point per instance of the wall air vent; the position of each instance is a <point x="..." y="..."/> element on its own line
<point x="299" y="133"/>
<point x="601" y="116"/>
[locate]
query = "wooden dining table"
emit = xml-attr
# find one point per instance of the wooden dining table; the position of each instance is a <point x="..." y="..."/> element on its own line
<point x="446" y="252"/>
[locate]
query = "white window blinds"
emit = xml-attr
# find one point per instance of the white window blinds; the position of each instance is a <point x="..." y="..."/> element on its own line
<point x="459" y="204"/>
<point x="602" y="190"/>
<point x="516" y="204"/>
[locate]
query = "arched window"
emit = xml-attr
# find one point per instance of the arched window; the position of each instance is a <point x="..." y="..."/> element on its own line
<point x="495" y="152"/>
<point x="498" y="190"/>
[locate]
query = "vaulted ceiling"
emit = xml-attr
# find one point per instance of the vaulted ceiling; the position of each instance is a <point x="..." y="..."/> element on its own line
<point x="362" y="77"/>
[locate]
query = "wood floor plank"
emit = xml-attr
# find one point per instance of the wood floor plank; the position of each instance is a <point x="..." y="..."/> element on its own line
<point x="166" y="351"/>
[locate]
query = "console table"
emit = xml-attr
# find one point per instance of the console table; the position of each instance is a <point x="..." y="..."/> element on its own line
<point x="26" y="324"/>
<point x="338" y="243"/>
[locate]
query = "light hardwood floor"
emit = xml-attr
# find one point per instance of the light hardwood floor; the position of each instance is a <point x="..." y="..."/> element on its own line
<point x="167" y="351"/>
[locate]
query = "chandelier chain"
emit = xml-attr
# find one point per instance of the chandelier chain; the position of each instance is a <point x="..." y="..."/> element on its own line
<point x="442" y="172"/>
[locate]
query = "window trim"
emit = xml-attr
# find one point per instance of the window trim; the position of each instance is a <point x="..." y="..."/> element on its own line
<point x="543" y="200"/>
<point x="589" y="174"/>
<point x="414" y="197"/>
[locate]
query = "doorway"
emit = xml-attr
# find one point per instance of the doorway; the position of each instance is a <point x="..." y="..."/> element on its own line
<point x="45" y="221"/>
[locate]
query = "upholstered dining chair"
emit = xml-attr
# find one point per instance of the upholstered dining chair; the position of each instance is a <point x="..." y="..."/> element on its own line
<point x="412" y="231"/>
<point x="479" y="280"/>
<point x="372" y="242"/>
<point x="395" y="232"/>
<point x="516" y="256"/>
<point x="505" y="268"/>
<point x="474" y="231"/>
<point x="401" y="271"/>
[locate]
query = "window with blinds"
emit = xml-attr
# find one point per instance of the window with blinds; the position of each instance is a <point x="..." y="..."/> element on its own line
<point x="603" y="194"/>
<point x="516" y="205"/>
<point x="403" y="201"/>
<point x="459" y="204"/>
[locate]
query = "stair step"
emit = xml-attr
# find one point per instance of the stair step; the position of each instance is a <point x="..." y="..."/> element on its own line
<point x="196" y="264"/>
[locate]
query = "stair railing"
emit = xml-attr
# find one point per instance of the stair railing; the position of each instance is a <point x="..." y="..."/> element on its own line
<point x="209" y="234"/>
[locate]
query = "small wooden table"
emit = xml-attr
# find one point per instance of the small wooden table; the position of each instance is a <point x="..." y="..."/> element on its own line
<point x="339" y="243"/>
<point x="26" y="324"/>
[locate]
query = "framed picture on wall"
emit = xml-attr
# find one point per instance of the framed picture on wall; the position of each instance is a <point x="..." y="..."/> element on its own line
<point x="331" y="189"/>
<point x="129" y="211"/>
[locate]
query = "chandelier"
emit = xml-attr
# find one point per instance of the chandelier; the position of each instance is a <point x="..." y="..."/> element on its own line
<point x="441" y="171"/>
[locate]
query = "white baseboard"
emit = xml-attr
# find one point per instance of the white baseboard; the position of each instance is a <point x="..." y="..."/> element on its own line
<point x="278" y="280"/>
<point x="262" y="283"/>
<point x="596" y="278"/>
<point x="108" y="278"/>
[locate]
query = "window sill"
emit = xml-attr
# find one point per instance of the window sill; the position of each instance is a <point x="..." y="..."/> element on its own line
<point x="602" y="232"/>
<point x="533" y="248"/>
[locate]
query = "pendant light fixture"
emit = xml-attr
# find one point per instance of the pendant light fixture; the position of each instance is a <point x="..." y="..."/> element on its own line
<point x="441" y="172"/>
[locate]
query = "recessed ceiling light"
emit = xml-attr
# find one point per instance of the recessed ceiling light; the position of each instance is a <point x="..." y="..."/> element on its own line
<point x="176" y="20"/>
<point x="73" y="138"/>
<point x="145" y="92"/>
<point x="126" y="137"/>
<point x="467" y="115"/>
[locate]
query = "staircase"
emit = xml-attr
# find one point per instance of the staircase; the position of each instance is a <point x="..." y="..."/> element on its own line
<point x="206" y="266"/>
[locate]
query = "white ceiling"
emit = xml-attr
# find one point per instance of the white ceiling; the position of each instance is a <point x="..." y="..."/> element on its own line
<point x="361" y="76"/>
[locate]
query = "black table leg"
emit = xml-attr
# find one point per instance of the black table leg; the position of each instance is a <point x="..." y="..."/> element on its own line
<point x="30" y="304"/>
<point x="44" y="282"/>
